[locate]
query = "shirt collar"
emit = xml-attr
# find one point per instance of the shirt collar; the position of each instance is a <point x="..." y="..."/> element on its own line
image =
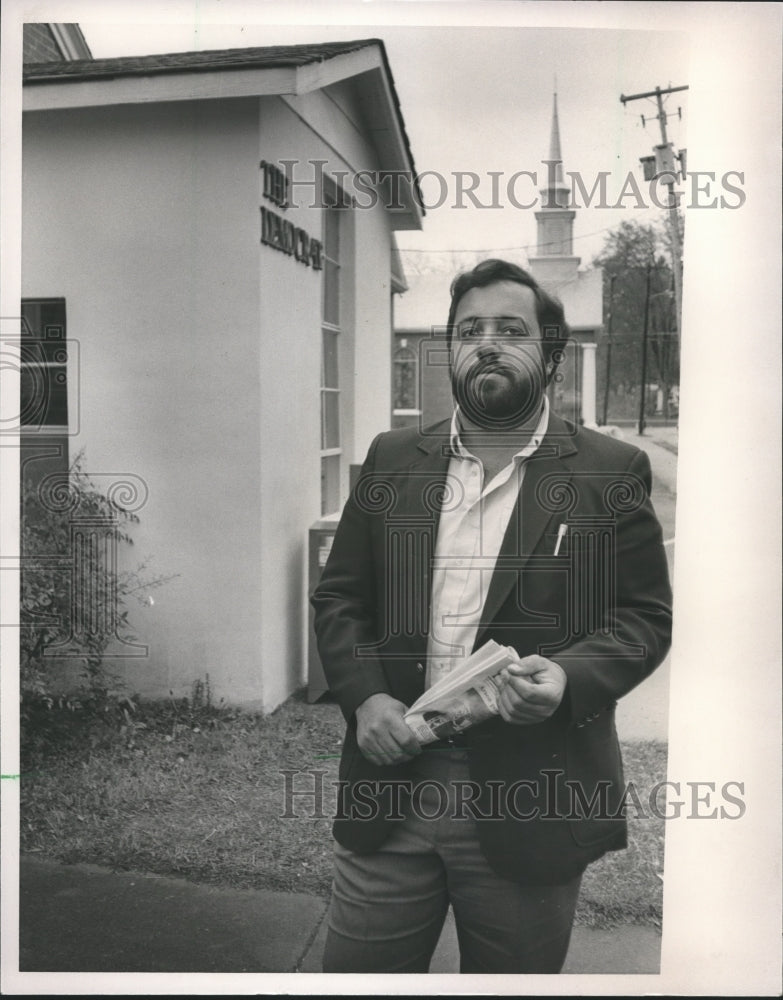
<point x="458" y="448"/>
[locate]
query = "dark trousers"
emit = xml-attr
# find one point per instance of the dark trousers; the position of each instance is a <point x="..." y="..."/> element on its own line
<point x="388" y="907"/>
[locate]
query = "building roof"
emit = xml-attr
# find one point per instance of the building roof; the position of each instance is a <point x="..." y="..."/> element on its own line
<point x="399" y="283"/>
<point x="266" y="57"/>
<point x="42" y="42"/>
<point x="287" y="69"/>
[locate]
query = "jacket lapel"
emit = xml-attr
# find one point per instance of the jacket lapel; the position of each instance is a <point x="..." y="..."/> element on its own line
<point x="425" y="477"/>
<point x="415" y="524"/>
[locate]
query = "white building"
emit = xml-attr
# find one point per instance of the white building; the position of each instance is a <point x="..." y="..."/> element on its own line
<point x="227" y="330"/>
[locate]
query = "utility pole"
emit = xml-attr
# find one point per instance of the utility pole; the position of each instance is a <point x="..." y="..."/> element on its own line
<point x="674" y="229"/>
<point x="612" y="278"/>
<point x="644" y="352"/>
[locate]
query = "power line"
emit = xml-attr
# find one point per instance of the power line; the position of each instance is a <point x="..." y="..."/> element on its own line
<point x="525" y="247"/>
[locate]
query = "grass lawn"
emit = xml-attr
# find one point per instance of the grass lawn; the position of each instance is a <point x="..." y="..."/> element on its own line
<point x="202" y="794"/>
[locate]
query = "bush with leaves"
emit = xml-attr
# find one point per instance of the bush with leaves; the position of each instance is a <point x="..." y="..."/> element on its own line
<point x="73" y="594"/>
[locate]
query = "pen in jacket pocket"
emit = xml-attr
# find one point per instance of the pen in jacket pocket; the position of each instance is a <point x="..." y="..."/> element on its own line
<point x="561" y="532"/>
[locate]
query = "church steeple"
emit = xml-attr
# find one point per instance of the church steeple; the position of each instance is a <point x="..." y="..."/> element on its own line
<point x="556" y="218"/>
<point x="555" y="155"/>
<point x="556" y="269"/>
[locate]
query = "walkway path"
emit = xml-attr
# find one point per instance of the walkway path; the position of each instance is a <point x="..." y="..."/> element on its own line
<point x="643" y="714"/>
<point x="81" y="918"/>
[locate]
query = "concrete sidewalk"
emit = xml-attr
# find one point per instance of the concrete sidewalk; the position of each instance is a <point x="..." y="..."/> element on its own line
<point x="644" y="713"/>
<point x="661" y="446"/>
<point x="80" y="918"/>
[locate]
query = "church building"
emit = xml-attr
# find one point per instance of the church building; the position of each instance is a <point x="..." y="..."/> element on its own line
<point x="421" y="390"/>
<point x="556" y="268"/>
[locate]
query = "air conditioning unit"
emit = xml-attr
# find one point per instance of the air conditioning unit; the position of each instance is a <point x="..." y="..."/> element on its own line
<point x="320" y="543"/>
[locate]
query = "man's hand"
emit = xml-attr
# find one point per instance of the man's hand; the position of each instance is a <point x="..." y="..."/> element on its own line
<point x="382" y="735"/>
<point x="531" y="690"/>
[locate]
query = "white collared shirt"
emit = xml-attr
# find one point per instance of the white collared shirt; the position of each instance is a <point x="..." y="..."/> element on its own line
<point x="473" y="522"/>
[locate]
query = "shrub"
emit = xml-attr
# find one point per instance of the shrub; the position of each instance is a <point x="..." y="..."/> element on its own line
<point x="73" y="594"/>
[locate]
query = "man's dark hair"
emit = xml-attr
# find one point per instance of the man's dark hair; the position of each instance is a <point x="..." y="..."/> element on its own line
<point x="549" y="310"/>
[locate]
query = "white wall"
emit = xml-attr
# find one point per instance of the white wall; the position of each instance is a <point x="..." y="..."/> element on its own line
<point x="146" y="220"/>
<point x="373" y="337"/>
<point x="313" y="128"/>
<point x="200" y="359"/>
<point x="290" y="335"/>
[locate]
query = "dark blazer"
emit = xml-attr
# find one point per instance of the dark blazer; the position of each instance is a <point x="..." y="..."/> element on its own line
<point x="551" y="793"/>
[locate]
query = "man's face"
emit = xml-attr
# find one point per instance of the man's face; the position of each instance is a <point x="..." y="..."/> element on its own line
<point x="497" y="373"/>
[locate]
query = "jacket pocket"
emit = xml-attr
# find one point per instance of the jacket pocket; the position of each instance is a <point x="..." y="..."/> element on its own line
<point x="595" y="780"/>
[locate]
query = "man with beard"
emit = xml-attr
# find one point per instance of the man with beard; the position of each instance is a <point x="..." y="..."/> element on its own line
<point x="506" y="523"/>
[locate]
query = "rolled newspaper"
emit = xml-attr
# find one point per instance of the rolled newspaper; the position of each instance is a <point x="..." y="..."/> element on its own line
<point x="465" y="697"/>
<point x="460" y="712"/>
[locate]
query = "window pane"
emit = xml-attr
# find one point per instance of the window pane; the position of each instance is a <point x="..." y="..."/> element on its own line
<point x="405" y="382"/>
<point x="329" y="369"/>
<point x="43" y="397"/>
<point x="332" y="231"/>
<point x="330" y="484"/>
<point x="34" y="396"/>
<point x="330" y="419"/>
<point x="330" y="375"/>
<point x="44" y="394"/>
<point x="43" y="319"/>
<point x="331" y="293"/>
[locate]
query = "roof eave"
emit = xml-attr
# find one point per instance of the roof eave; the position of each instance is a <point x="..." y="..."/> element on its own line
<point x="67" y="92"/>
<point x="384" y="115"/>
<point x="209" y="83"/>
<point x="71" y="41"/>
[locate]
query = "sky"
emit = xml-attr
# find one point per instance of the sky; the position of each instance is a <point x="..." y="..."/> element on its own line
<point x="479" y="99"/>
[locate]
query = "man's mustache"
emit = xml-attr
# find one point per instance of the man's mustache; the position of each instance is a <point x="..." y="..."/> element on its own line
<point x="497" y="365"/>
